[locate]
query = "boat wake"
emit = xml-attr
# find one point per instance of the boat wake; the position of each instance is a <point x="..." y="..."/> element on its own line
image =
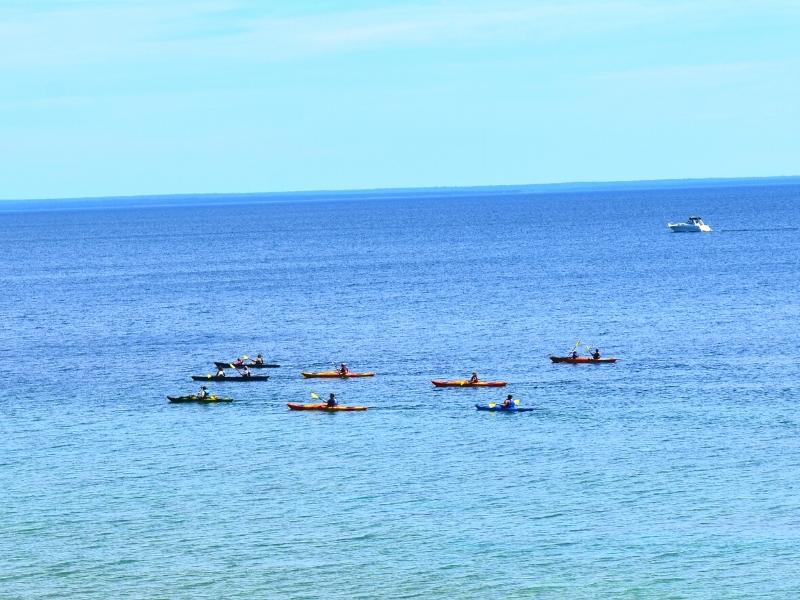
<point x="760" y="229"/>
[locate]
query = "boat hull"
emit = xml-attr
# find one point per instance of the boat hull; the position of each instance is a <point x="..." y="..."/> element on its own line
<point x="195" y="399"/>
<point x="334" y="375"/>
<point x="499" y="408"/>
<point x="582" y="360"/>
<point x="231" y="365"/>
<point x="324" y="407"/>
<point x="695" y="224"/>
<point x="688" y="228"/>
<point x="230" y="378"/>
<point x="465" y="383"/>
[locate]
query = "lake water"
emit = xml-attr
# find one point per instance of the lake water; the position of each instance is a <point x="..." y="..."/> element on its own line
<point x="671" y="474"/>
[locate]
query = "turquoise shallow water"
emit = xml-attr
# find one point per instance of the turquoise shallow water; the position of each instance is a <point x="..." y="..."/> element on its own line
<point x="671" y="474"/>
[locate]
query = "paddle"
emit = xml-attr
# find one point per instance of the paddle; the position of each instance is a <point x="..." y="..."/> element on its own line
<point x="575" y="347"/>
<point x="235" y="368"/>
<point x="589" y="350"/>
<point x="339" y="370"/>
<point x="315" y="396"/>
<point x="494" y="404"/>
<point x="241" y="373"/>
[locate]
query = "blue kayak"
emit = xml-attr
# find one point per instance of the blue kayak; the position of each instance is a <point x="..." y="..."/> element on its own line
<point x="499" y="408"/>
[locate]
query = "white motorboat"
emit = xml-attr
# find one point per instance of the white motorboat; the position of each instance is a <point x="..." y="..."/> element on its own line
<point x="692" y="225"/>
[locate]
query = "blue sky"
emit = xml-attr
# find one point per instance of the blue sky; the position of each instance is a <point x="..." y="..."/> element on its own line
<point x="168" y="96"/>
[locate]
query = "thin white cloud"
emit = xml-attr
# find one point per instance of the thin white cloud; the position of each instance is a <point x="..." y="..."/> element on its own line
<point x="474" y="23"/>
<point x="86" y="33"/>
<point x="80" y="32"/>
<point x="704" y="74"/>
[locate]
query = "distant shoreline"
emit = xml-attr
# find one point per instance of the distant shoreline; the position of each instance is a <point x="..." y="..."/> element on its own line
<point x="206" y="199"/>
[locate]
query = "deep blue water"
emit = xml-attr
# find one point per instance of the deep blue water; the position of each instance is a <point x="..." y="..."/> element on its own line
<point x="673" y="473"/>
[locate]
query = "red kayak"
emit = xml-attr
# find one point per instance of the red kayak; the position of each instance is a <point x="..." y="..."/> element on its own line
<point x="582" y="360"/>
<point x="325" y="407"/>
<point x="466" y="383"/>
<point x="332" y="374"/>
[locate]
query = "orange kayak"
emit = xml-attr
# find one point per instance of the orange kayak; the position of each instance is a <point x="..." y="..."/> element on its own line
<point x="582" y="360"/>
<point x="335" y="374"/>
<point x="466" y="383"/>
<point x="325" y="407"/>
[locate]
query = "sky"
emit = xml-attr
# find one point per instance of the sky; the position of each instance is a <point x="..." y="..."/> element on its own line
<point x="101" y="98"/>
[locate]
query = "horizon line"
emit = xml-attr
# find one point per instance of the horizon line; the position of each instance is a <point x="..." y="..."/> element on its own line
<point x="527" y="187"/>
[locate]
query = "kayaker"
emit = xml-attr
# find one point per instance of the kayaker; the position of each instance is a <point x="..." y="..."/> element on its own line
<point x="220" y="372"/>
<point x="596" y="354"/>
<point x="246" y="371"/>
<point x="331" y="401"/>
<point x="343" y="370"/>
<point x="202" y="393"/>
<point x="574" y="354"/>
<point x="474" y="378"/>
<point x="508" y="402"/>
<point x="259" y="360"/>
<point x="238" y="362"/>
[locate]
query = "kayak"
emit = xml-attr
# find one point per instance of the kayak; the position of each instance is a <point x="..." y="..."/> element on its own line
<point x="324" y="407"/>
<point x="230" y="378"/>
<point x="499" y="408"/>
<point x="466" y="383"/>
<point x="232" y="365"/>
<point x="335" y="374"/>
<point x="206" y="400"/>
<point x="581" y="360"/>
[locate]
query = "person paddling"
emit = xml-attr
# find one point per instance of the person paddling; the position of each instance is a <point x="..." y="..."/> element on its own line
<point x="246" y="371"/>
<point x="202" y="393"/>
<point x="574" y="354"/>
<point x="508" y="402"/>
<point x="596" y="354"/>
<point x="220" y="372"/>
<point x="259" y="360"/>
<point x="474" y="378"/>
<point x="343" y="370"/>
<point x="331" y="401"/>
